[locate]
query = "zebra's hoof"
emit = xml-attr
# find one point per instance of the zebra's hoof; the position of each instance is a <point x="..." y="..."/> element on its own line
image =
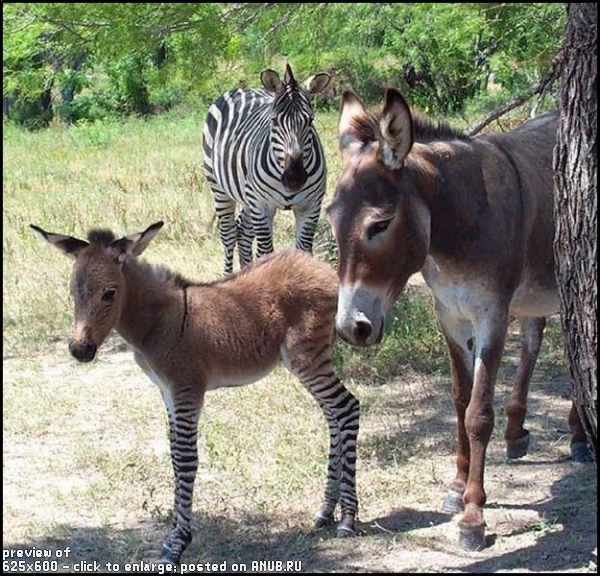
<point x="324" y="520"/>
<point x="453" y="503"/>
<point x="517" y="448"/>
<point x="580" y="453"/>
<point x="471" y="537"/>
<point x="169" y="557"/>
<point x="347" y="526"/>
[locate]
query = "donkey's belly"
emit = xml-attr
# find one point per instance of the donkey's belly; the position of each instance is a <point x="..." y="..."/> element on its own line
<point x="532" y="300"/>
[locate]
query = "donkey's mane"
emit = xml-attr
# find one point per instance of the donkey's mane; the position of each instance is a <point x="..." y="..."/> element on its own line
<point x="366" y="128"/>
<point x="101" y="236"/>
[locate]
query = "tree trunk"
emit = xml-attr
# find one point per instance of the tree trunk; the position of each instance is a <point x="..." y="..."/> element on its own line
<point x="575" y="208"/>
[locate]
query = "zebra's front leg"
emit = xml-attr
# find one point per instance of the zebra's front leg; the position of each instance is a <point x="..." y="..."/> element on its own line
<point x="225" y="209"/>
<point x="306" y="225"/>
<point x="245" y="236"/>
<point x="262" y="223"/>
<point x="183" y="435"/>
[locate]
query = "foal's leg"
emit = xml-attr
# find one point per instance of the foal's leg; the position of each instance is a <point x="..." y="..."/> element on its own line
<point x="517" y="437"/>
<point x="461" y="348"/>
<point x="308" y="355"/>
<point x="183" y="410"/>
<point x="490" y="334"/>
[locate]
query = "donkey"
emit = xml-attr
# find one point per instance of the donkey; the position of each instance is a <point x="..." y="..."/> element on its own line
<point x="192" y="337"/>
<point x="475" y="216"/>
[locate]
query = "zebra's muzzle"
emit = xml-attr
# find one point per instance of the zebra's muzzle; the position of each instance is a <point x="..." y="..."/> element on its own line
<point x="294" y="176"/>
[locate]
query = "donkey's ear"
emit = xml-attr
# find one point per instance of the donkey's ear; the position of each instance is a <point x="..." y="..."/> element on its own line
<point x="66" y="244"/>
<point x="134" y="244"/>
<point x="317" y="83"/>
<point x="351" y="137"/>
<point x="270" y="80"/>
<point x="396" y="128"/>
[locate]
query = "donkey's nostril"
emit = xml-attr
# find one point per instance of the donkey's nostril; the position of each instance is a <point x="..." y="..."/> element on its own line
<point x="362" y="330"/>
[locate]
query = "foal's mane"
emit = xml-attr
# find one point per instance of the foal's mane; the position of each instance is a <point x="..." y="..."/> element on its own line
<point x="366" y="128"/>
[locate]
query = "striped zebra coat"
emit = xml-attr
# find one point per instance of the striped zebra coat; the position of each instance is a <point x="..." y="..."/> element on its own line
<point x="262" y="152"/>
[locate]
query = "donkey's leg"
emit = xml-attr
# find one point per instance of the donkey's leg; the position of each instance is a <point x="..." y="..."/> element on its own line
<point x="306" y="225"/>
<point x="461" y="347"/>
<point x="225" y="209"/>
<point x="183" y="409"/>
<point x="517" y="437"/>
<point x="308" y="355"/>
<point x="245" y="236"/>
<point x="262" y="223"/>
<point x="579" y="446"/>
<point x="490" y="334"/>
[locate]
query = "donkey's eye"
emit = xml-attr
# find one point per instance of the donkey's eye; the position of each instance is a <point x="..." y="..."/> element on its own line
<point x="378" y="228"/>
<point x="109" y="295"/>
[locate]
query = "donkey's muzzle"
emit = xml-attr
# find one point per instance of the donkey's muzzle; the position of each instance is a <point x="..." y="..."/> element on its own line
<point x="83" y="351"/>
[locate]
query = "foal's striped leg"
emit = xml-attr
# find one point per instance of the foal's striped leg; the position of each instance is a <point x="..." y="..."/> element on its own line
<point x="183" y="411"/>
<point x="309" y="357"/>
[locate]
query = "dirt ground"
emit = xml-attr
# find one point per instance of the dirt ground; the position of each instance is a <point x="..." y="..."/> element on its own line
<point x="86" y="467"/>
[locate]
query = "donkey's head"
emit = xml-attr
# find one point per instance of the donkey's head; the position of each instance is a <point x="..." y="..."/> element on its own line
<point x="291" y="122"/>
<point x="97" y="282"/>
<point x="379" y="215"/>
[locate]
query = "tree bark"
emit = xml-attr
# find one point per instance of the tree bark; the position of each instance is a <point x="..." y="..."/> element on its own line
<point x="575" y="208"/>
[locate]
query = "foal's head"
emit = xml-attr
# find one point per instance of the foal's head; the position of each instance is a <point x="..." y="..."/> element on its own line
<point x="291" y="121"/>
<point x="379" y="215"/>
<point x="97" y="282"/>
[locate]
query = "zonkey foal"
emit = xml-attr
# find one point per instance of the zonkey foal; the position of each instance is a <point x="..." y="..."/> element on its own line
<point x="192" y="337"/>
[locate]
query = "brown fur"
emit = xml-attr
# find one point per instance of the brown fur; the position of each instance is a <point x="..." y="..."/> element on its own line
<point x="475" y="215"/>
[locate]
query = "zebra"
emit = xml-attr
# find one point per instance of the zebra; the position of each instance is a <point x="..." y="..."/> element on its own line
<point x="262" y="151"/>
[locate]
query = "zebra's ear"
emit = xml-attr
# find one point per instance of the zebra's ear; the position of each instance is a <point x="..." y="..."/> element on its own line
<point x="134" y="244"/>
<point x="270" y="80"/>
<point x="317" y="83"/>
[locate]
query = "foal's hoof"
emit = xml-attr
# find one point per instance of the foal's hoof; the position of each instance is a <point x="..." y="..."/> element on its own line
<point x="324" y="520"/>
<point x="471" y="537"/>
<point x="169" y="557"/>
<point x="580" y="453"/>
<point x="517" y="448"/>
<point x="453" y="503"/>
<point x="347" y="526"/>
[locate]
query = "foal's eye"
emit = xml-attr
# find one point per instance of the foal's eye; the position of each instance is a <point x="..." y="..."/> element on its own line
<point x="109" y="295"/>
<point x="378" y="228"/>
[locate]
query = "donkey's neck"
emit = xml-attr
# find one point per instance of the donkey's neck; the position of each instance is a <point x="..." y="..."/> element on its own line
<point x="150" y="294"/>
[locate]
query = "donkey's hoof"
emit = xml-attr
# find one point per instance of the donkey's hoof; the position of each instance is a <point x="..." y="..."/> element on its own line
<point x="471" y="537"/>
<point x="324" y="520"/>
<point x="580" y="453"/>
<point x="347" y="526"/>
<point x="517" y="448"/>
<point x="453" y="503"/>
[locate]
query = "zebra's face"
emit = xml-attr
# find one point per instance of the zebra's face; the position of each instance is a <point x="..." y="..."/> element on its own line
<point x="291" y="124"/>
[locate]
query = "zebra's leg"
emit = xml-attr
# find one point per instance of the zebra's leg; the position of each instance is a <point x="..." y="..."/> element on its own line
<point x="245" y="236"/>
<point x="183" y="409"/>
<point x="309" y="357"/>
<point x="262" y="223"/>
<point x="225" y="209"/>
<point x="307" y="219"/>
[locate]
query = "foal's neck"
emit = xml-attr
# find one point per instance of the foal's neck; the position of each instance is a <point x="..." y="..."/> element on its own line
<point x="150" y="294"/>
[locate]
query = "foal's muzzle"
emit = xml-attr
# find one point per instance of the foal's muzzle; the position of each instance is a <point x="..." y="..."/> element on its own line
<point x="84" y="351"/>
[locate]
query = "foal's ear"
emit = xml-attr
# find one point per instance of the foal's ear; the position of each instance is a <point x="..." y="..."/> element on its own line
<point x="352" y="137"/>
<point x="134" y="244"/>
<point x="66" y="244"/>
<point x="317" y="83"/>
<point x="270" y="80"/>
<point x="396" y="128"/>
